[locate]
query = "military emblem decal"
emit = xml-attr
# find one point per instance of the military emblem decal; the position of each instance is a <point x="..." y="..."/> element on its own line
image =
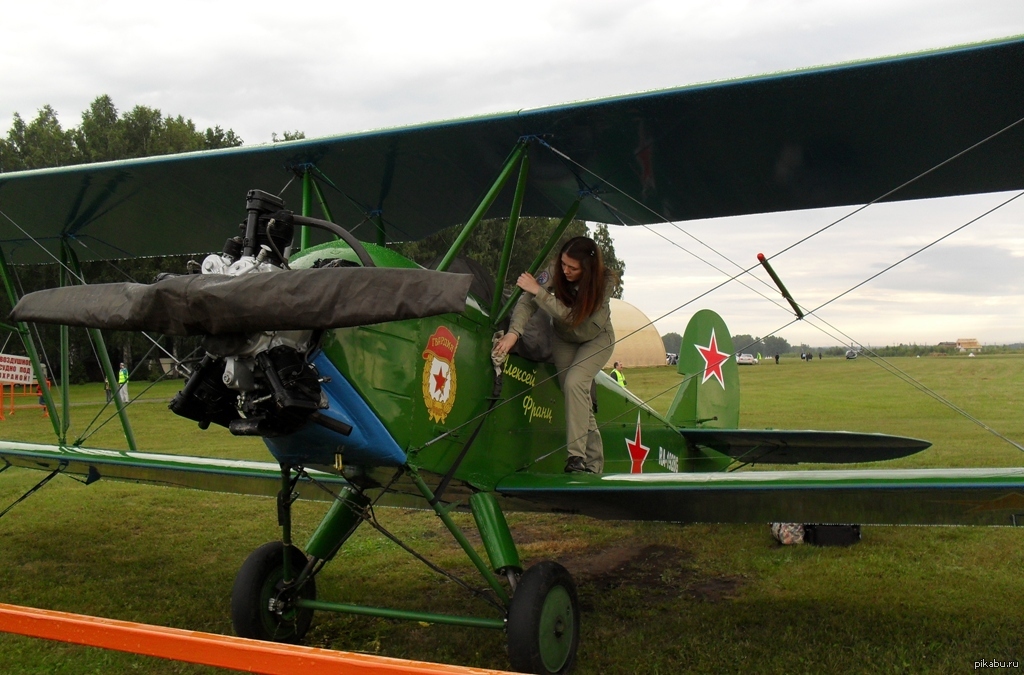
<point x="543" y="278"/>
<point x="713" y="360"/>
<point x="637" y="450"/>
<point x="439" y="374"/>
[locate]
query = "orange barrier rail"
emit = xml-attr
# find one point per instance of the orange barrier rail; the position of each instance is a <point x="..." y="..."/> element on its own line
<point x="252" y="656"/>
<point x="32" y="390"/>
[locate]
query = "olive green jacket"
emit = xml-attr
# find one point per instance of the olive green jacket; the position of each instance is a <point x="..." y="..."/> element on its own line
<point x="591" y="327"/>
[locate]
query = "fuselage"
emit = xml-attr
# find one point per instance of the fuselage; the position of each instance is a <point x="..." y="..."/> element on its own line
<point x="415" y="391"/>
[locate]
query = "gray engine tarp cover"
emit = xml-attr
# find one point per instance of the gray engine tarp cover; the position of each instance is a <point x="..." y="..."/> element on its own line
<point x="215" y="304"/>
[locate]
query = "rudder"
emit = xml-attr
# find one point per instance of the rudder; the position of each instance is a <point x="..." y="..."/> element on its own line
<point x="709" y="396"/>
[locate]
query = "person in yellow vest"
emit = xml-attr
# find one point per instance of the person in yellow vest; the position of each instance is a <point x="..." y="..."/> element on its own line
<point x="122" y="383"/>
<point x="616" y="373"/>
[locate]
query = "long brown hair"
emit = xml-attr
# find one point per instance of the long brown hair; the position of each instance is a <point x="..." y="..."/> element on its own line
<point x="589" y="292"/>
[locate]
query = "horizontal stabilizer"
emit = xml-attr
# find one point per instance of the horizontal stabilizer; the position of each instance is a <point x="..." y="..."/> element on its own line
<point x="752" y="446"/>
<point x="213" y="304"/>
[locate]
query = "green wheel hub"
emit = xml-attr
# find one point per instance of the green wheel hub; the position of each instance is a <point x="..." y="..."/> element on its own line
<point x="557" y="629"/>
<point x="544" y="621"/>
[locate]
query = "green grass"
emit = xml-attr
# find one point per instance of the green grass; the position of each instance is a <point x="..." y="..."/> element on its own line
<point x="657" y="598"/>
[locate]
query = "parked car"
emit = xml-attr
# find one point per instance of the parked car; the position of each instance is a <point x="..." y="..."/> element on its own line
<point x="746" y="360"/>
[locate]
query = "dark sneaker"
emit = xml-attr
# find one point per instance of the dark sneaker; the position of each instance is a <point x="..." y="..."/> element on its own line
<point x="575" y="465"/>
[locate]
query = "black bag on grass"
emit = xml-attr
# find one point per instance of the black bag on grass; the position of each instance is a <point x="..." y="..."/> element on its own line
<point x="831" y="535"/>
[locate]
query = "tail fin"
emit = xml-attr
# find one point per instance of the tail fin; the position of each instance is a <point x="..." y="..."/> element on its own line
<point x="709" y="396"/>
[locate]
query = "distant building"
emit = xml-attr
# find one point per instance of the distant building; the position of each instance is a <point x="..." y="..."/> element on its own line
<point x="968" y="345"/>
<point x="950" y="345"/>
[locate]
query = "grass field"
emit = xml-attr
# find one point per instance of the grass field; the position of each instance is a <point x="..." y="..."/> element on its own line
<point x="657" y="598"/>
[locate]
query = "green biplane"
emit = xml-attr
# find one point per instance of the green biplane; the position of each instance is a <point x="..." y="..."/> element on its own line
<point x="370" y="379"/>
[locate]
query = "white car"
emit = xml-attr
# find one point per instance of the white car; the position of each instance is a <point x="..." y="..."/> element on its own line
<point x="746" y="360"/>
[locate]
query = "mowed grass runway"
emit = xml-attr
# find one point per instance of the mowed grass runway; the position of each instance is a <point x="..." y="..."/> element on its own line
<point x="656" y="598"/>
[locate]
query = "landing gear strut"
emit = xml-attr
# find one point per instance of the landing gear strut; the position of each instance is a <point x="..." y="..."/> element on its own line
<point x="274" y="595"/>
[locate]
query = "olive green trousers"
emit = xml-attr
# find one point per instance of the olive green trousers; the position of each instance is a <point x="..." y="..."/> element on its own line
<point x="578" y="363"/>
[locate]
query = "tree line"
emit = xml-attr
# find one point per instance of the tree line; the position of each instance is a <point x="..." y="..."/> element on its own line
<point x="104" y="135"/>
<point x="748" y="344"/>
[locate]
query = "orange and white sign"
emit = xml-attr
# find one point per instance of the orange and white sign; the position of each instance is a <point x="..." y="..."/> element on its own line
<point x="439" y="382"/>
<point x="16" y="370"/>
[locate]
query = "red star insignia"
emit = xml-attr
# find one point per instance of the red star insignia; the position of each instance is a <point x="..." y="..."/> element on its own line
<point x="637" y="450"/>
<point x="713" y="360"/>
<point x="439" y="379"/>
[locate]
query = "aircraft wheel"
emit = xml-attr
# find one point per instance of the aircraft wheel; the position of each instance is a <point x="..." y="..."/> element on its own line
<point x="260" y="608"/>
<point x="544" y="621"/>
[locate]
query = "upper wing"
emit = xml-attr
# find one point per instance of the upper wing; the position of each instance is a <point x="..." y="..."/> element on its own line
<point x="894" y="496"/>
<point x="820" y="137"/>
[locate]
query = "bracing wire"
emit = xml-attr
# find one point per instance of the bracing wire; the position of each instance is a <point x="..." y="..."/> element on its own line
<point x="889" y="367"/>
<point x="935" y="395"/>
<point x="83" y="437"/>
<point x="907" y="378"/>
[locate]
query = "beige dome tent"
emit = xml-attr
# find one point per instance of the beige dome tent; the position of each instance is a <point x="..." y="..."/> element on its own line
<point x="644" y="347"/>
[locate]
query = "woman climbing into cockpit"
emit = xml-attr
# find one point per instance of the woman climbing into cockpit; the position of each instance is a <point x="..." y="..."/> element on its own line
<point x="575" y="293"/>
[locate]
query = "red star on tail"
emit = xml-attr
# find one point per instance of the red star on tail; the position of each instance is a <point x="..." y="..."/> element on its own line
<point x="713" y="360"/>
<point x="637" y="450"/>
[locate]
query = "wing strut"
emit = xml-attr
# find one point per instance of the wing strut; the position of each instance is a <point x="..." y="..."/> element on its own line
<point x="104" y="358"/>
<point x="541" y="257"/>
<point x="778" y="282"/>
<point x="510" y="231"/>
<point x="30" y="346"/>
<point x="481" y="209"/>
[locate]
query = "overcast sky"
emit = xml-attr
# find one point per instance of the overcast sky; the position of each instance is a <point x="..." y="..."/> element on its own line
<point x="332" y="68"/>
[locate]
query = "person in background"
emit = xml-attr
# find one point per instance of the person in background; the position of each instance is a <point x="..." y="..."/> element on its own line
<point x="620" y="379"/>
<point x="122" y="383"/>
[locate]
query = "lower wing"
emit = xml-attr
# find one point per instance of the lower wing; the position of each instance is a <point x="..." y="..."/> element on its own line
<point x="893" y="496"/>
<point x="200" y="473"/>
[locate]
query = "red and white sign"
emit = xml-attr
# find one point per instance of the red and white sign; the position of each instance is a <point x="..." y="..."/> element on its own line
<point x="16" y="370"/>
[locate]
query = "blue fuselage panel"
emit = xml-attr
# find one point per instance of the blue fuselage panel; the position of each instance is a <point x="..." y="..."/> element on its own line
<point x="369" y="444"/>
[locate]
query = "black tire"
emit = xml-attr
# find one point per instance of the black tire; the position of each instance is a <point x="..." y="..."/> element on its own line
<point x="544" y="621"/>
<point x="258" y="582"/>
